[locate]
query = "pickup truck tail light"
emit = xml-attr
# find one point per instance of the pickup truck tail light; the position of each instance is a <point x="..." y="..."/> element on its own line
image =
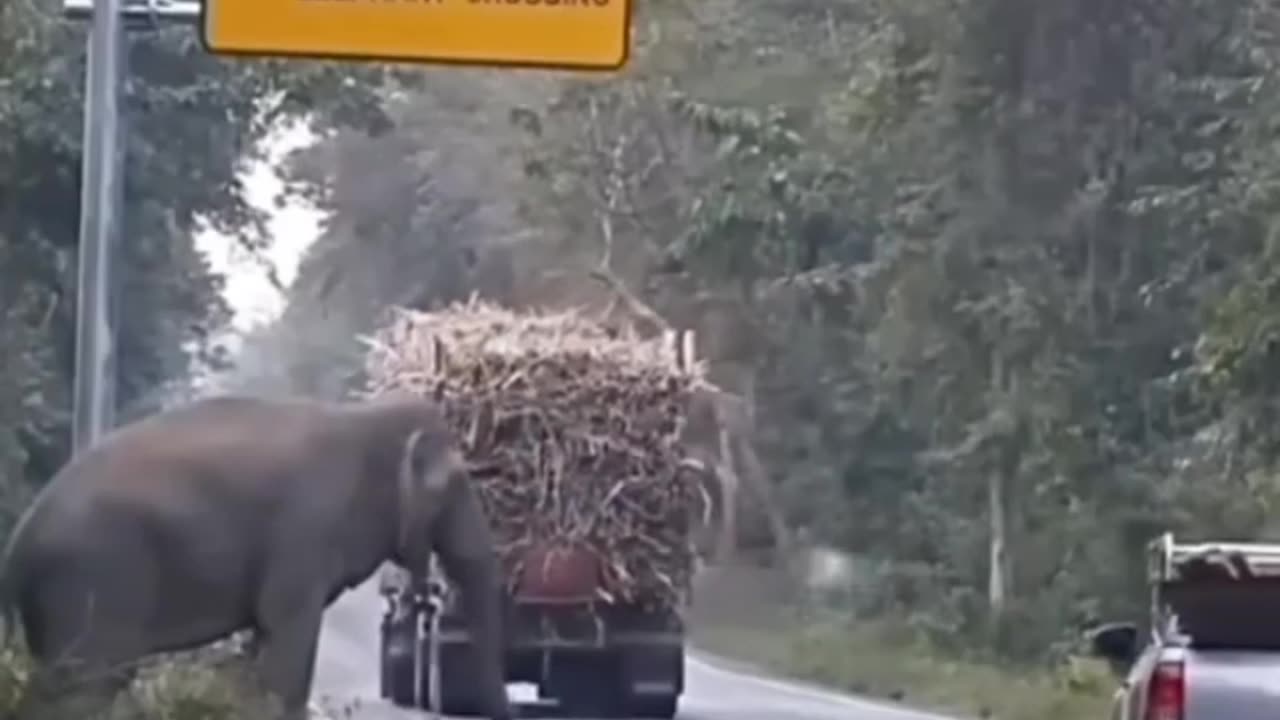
<point x="1167" y="692"/>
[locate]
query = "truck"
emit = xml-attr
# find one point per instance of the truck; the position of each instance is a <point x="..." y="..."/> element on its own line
<point x="1212" y="647"/>
<point x="584" y="646"/>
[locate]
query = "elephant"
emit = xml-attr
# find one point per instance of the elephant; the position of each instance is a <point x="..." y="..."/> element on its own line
<point x="238" y="513"/>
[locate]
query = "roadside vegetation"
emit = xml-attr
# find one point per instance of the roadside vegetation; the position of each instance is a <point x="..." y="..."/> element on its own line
<point x="888" y="661"/>
<point x="893" y="662"/>
<point x="742" y="617"/>
<point x="994" y="280"/>
<point x="207" y="686"/>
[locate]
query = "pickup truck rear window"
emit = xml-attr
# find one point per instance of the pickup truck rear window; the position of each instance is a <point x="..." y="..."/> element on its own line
<point x="1227" y="613"/>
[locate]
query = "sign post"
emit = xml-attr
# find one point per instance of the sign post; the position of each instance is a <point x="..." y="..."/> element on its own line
<point x="100" y="212"/>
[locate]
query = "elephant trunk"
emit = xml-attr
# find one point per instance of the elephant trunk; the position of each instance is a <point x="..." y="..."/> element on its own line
<point x="480" y="586"/>
<point x="467" y="551"/>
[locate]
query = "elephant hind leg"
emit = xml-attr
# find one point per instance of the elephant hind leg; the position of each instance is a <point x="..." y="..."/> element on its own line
<point x="86" y="651"/>
<point x="59" y="692"/>
<point x="34" y="632"/>
<point x="73" y="689"/>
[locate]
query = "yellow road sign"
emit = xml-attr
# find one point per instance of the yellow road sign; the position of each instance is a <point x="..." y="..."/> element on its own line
<point x="569" y="34"/>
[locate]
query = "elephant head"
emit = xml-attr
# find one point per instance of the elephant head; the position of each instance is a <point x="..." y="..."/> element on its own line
<point x="438" y="511"/>
<point x="430" y="471"/>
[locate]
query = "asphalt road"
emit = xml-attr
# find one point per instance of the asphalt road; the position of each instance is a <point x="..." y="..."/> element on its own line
<point x="347" y="680"/>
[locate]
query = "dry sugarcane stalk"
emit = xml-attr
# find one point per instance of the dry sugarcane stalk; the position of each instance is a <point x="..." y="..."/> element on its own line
<point x="572" y="433"/>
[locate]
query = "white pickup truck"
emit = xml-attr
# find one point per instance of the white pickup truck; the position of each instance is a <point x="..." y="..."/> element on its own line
<point x="1213" y="652"/>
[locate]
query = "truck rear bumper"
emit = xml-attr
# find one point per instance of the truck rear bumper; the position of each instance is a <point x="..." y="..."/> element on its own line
<point x="640" y="674"/>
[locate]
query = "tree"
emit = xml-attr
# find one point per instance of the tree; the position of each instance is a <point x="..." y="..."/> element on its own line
<point x="192" y="120"/>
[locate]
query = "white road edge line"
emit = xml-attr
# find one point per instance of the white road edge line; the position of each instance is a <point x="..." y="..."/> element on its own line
<point x="814" y="694"/>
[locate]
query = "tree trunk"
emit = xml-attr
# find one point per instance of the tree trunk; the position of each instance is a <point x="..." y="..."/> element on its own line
<point x="730" y="481"/>
<point x="998" y="576"/>
<point x="756" y="477"/>
<point x="999" y="475"/>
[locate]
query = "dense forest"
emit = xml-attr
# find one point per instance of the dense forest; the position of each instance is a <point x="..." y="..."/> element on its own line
<point x="993" y="277"/>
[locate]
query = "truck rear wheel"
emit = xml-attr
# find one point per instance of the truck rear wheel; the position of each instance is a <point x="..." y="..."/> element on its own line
<point x="398" y="684"/>
<point x="583" y="683"/>
<point x="397" y="676"/>
<point x="650" y="680"/>
<point x="655" y="707"/>
<point x="457" y="696"/>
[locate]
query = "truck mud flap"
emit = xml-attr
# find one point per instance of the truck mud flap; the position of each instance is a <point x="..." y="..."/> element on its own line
<point x="651" y="670"/>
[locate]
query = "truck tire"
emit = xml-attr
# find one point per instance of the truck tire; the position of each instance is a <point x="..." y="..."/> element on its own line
<point x="653" y="707"/>
<point x="397" y="679"/>
<point x="397" y="676"/>
<point x="662" y="664"/>
<point x="585" y="684"/>
<point x="456" y="696"/>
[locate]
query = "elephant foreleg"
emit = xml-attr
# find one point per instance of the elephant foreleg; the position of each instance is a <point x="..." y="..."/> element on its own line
<point x="287" y="653"/>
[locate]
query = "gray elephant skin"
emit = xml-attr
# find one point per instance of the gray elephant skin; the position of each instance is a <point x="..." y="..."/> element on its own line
<point x="237" y="513"/>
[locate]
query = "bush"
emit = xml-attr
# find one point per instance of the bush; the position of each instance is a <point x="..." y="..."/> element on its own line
<point x="14" y="669"/>
<point x="207" y="685"/>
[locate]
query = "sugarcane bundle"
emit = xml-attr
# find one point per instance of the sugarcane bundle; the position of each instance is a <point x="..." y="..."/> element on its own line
<point x="572" y="433"/>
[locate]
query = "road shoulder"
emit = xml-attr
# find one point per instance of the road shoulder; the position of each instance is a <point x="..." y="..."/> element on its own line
<point x="744" y="671"/>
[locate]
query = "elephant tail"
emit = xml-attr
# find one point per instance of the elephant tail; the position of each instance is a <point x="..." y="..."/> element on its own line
<point x="10" y="625"/>
<point x="10" y="621"/>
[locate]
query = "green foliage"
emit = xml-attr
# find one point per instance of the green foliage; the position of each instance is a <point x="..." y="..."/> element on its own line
<point x="191" y="123"/>
<point x="891" y="662"/>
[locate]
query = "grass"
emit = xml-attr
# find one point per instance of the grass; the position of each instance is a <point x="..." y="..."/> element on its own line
<point x="882" y="660"/>
<point x="748" y="613"/>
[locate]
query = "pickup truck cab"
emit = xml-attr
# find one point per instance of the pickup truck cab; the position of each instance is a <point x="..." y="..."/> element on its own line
<point x="1213" y="648"/>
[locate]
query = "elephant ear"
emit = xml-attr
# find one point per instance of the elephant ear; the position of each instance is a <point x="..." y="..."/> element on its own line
<point x="429" y="461"/>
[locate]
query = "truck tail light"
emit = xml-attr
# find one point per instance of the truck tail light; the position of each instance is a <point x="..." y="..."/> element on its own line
<point x="1167" y="692"/>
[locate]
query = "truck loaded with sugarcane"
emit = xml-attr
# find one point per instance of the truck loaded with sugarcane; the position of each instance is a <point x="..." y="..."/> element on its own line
<point x="573" y="437"/>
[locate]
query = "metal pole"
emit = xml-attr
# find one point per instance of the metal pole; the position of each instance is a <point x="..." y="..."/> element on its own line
<point x="100" y="201"/>
<point x="111" y="374"/>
